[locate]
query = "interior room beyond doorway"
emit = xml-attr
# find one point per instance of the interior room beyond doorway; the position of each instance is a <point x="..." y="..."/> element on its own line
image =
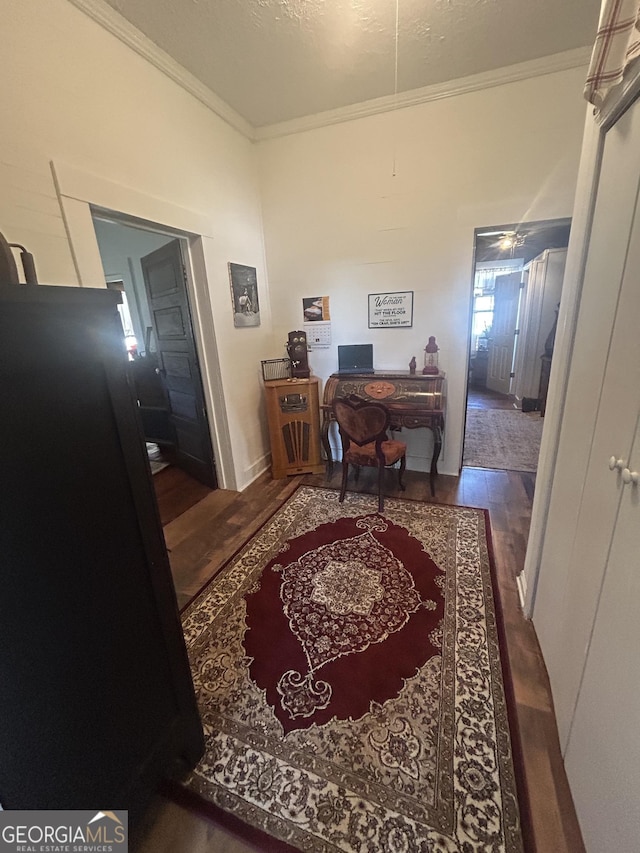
<point x="149" y="268"/>
<point x="517" y="282"/>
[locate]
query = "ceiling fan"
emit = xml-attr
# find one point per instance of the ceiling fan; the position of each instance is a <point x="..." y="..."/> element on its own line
<point x="507" y="239"/>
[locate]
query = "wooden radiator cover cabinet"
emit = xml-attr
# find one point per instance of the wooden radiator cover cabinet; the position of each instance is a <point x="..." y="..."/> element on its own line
<point x="293" y="412"/>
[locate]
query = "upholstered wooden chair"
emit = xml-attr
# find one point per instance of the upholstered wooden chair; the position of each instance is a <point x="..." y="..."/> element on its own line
<point x="363" y="428"/>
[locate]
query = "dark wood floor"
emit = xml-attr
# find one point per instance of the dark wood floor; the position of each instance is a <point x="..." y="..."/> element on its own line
<point x="176" y="492"/>
<point x="483" y="398"/>
<point x="204" y="536"/>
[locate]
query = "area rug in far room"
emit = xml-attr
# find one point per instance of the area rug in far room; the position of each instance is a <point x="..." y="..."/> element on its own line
<point x="348" y="674"/>
<point x="505" y="439"/>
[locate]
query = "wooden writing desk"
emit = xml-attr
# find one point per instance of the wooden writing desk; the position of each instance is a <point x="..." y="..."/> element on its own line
<point x="413" y="402"/>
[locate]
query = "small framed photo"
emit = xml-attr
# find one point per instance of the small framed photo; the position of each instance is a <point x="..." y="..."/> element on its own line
<point x="391" y="310"/>
<point x="244" y="295"/>
<point x="315" y="309"/>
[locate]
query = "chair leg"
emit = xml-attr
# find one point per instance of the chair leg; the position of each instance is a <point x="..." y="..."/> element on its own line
<point x="380" y="496"/>
<point x="345" y="474"/>
<point x="403" y="463"/>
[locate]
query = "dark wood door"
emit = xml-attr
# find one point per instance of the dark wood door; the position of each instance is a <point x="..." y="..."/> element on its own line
<point x="165" y="282"/>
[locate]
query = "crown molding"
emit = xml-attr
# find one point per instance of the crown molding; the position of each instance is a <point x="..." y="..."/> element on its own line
<point x="117" y="25"/>
<point x="488" y="79"/>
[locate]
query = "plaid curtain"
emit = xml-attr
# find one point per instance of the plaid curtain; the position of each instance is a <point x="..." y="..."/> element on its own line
<point x="617" y="44"/>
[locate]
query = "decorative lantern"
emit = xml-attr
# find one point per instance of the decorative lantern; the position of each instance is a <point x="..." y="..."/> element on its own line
<point x="431" y="358"/>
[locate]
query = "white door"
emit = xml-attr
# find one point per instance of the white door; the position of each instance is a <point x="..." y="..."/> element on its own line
<point x="602" y="758"/>
<point x="540" y="299"/>
<point x="503" y="332"/>
<point x="600" y="418"/>
<point x="603" y="755"/>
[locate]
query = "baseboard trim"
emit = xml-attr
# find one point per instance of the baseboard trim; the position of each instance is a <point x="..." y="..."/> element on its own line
<point x="256" y="470"/>
<point x="521" y="581"/>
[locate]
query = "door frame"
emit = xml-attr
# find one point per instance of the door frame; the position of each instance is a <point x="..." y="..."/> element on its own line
<point x="174" y="347"/>
<point x="567" y="320"/>
<point x="82" y="194"/>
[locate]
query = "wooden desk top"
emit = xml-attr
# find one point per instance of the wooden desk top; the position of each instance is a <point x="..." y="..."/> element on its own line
<point x="398" y="389"/>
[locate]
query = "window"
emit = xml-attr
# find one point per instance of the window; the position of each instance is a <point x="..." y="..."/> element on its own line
<point x="125" y="316"/>
<point x="484" y="285"/>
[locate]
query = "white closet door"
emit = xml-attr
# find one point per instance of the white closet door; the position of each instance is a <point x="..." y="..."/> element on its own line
<point x="603" y="755"/>
<point x="613" y="436"/>
<point x="602" y="758"/>
<point x="600" y="418"/>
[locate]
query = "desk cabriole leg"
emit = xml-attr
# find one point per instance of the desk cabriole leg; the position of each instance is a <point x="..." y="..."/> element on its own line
<point x="437" y="447"/>
<point x="324" y="438"/>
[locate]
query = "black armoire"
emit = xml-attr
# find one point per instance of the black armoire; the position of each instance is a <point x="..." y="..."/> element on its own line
<point x="96" y="698"/>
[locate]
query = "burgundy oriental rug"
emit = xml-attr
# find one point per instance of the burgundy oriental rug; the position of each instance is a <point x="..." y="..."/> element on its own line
<point x="348" y="673"/>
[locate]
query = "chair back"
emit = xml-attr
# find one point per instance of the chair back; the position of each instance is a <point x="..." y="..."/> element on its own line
<point x="361" y="421"/>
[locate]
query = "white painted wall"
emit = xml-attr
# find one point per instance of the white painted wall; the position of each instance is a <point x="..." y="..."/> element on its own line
<point x="339" y="222"/>
<point x="74" y="94"/>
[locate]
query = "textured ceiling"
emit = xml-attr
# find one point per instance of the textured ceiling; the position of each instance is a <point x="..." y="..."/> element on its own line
<point x="275" y="60"/>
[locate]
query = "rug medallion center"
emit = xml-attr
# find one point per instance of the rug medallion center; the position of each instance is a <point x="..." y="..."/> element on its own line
<point x="339" y="598"/>
<point x="347" y="587"/>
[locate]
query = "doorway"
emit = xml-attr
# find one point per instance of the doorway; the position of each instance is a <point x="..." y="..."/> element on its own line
<point x="150" y="268"/>
<point x="516" y="287"/>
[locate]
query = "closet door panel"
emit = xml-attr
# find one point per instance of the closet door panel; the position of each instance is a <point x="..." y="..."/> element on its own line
<point x="617" y="416"/>
<point x="603" y="755"/>
<point x="599" y="422"/>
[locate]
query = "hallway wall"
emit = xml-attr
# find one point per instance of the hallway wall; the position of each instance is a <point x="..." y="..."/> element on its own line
<point x="378" y="204"/>
<point x="390" y="202"/>
<point x="74" y="94"/>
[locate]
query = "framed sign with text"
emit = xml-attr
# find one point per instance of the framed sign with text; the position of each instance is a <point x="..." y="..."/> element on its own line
<point x="390" y="310"/>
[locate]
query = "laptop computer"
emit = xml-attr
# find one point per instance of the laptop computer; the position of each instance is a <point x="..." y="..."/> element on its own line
<point x="355" y="358"/>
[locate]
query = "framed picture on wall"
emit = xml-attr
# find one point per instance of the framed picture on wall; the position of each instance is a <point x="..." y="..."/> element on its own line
<point x="244" y="295"/>
<point x="391" y="310"/>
